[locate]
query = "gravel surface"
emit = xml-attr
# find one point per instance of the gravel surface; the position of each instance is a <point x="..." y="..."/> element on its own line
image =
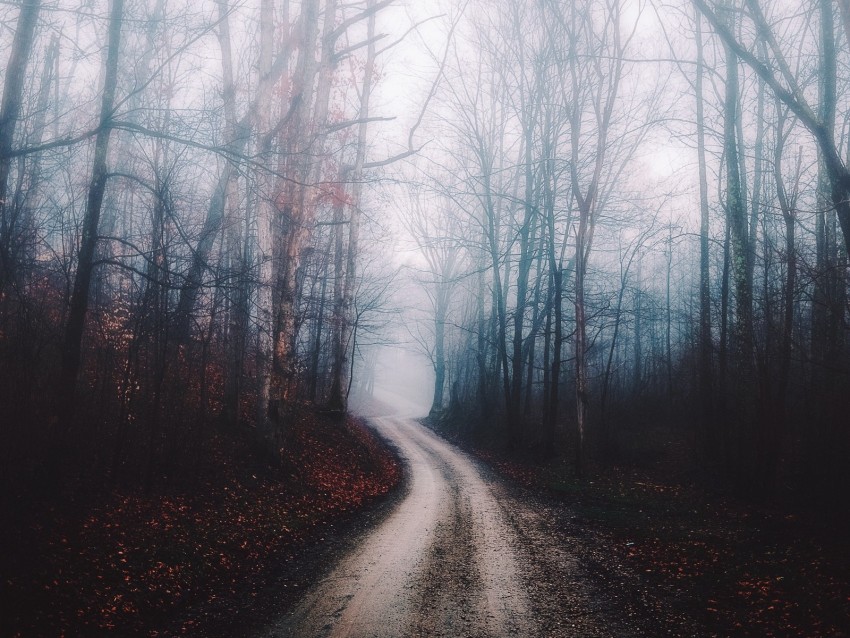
<point x="464" y="554"/>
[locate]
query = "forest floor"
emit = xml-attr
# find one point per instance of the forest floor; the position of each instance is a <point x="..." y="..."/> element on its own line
<point x="484" y="545"/>
<point x="624" y="553"/>
<point x="729" y="567"/>
<point x="201" y="560"/>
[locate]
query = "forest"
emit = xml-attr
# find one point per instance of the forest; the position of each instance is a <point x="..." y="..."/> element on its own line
<point x="636" y="233"/>
<point x="181" y="221"/>
<point x="616" y="231"/>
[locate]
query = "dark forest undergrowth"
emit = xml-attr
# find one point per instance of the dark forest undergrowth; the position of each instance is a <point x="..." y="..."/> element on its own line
<point x="737" y="567"/>
<point x="188" y="560"/>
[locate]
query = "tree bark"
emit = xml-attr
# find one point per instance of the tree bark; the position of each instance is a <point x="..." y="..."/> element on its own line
<point x="787" y="203"/>
<point x="341" y="381"/>
<point x="792" y="96"/>
<point x="706" y="381"/>
<point x="72" y="343"/>
<point x="582" y="390"/>
<point x="737" y="218"/>
<point x="10" y="112"/>
<point x="291" y="227"/>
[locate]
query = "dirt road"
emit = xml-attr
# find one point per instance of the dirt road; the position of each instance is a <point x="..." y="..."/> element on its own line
<point x="464" y="555"/>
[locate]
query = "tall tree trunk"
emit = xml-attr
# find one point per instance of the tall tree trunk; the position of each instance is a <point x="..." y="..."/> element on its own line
<point x="789" y="298"/>
<point x="499" y="319"/>
<point x="267" y="217"/>
<point x="237" y="240"/>
<point x="737" y="218"/>
<point x="668" y="319"/>
<point x="602" y="97"/>
<point x="10" y="112"/>
<point x="758" y="178"/>
<point x="310" y="100"/>
<point x="828" y="304"/>
<point x="523" y="270"/>
<point x="341" y="382"/>
<point x="787" y="203"/>
<point x="530" y="357"/>
<point x="637" y="371"/>
<point x="551" y="355"/>
<point x="821" y="301"/>
<point x="439" y="356"/>
<point x="72" y="343"/>
<point x="582" y="399"/>
<point x="605" y="426"/>
<point x="706" y="381"/>
<point x="317" y="337"/>
<point x="557" y="349"/>
<point x="745" y="391"/>
<point x="337" y="330"/>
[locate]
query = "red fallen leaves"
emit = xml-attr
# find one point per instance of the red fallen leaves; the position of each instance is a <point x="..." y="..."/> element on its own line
<point x="525" y="475"/>
<point x="766" y="581"/>
<point x="743" y="571"/>
<point x="133" y="564"/>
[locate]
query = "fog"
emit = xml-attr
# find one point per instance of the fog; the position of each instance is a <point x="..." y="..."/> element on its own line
<point x="587" y="239"/>
<point x="552" y="222"/>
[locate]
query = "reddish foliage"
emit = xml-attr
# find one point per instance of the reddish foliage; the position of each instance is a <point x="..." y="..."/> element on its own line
<point x="134" y="564"/>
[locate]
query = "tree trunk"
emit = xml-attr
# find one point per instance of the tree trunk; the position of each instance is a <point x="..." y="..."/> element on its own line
<point x="668" y="319"/>
<point x="299" y="198"/>
<point x="317" y="337"/>
<point x="637" y="372"/>
<point x="10" y="112"/>
<point x="439" y="360"/>
<point x="787" y="203"/>
<point x="737" y="218"/>
<point x="523" y="270"/>
<point x="706" y="381"/>
<point x="341" y="382"/>
<point x="581" y="343"/>
<point x="72" y="343"/>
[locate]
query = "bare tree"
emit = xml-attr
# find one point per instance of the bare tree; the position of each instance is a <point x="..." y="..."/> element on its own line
<point x="10" y="112"/>
<point x="89" y="239"/>
<point x="341" y="380"/>
<point x="777" y="74"/>
<point x="434" y="226"/>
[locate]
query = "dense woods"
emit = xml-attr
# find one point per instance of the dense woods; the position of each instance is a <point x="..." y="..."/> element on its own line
<point x="181" y="228"/>
<point x="186" y="268"/>
<point x="618" y="231"/>
<point x="625" y="211"/>
<point x="644" y="240"/>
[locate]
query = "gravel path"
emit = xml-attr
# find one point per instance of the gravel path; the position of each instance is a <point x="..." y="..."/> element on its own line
<point x="442" y="564"/>
<point x="463" y="554"/>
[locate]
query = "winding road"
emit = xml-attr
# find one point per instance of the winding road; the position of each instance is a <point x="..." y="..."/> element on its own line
<point x="442" y="564"/>
<point x="462" y="555"/>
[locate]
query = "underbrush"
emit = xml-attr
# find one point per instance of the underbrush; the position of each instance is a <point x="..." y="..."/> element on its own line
<point x="191" y="557"/>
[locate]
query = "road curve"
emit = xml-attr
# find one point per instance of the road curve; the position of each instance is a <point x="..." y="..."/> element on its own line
<point x="442" y="563"/>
